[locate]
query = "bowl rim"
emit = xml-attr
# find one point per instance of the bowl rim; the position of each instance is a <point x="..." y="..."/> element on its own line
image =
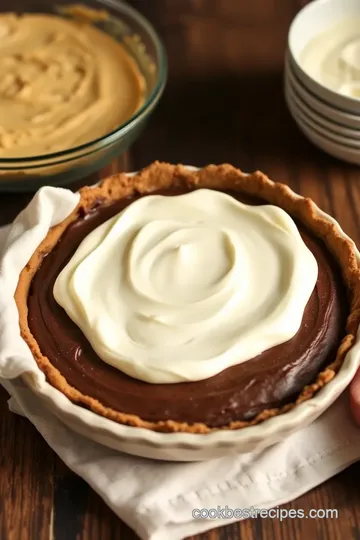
<point x="319" y="131"/>
<point x="108" y="138"/>
<point x="344" y="152"/>
<point x="347" y="104"/>
<point x="321" y="122"/>
<point x="340" y="152"/>
<point x="270" y="429"/>
<point x="315" y="100"/>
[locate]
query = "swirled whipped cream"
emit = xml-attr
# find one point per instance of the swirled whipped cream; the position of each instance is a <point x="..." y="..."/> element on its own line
<point x="332" y="58"/>
<point x="180" y="288"/>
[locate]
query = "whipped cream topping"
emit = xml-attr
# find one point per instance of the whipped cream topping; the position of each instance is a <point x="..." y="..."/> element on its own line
<point x="333" y="57"/>
<point x="180" y="288"/>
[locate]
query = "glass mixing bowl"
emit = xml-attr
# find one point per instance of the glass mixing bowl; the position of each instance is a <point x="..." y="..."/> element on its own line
<point x="142" y="41"/>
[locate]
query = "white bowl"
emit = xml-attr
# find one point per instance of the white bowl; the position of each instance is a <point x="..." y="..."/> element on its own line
<point x="331" y="113"/>
<point x="186" y="446"/>
<point x="332" y="119"/>
<point x="335" y="132"/>
<point x="321" y="139"/>
<point x="316" y="17"/>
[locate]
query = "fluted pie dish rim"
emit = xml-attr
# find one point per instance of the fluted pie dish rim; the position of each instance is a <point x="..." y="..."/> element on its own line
<point x="200" y="442"/>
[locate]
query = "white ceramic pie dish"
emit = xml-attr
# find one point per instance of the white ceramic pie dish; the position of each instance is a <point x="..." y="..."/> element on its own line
<point x="187" y="446"/>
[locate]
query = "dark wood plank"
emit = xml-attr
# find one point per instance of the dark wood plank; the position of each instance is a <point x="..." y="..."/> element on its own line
<point x="26" y="479"/>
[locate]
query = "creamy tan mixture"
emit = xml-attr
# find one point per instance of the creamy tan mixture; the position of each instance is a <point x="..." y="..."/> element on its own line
<point x="62" y="84"/>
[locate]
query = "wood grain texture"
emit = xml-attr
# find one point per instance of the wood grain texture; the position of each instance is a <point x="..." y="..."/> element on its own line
<point x="223" y="103"/>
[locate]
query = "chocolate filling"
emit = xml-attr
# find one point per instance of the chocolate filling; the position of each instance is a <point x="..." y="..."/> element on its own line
<point x="269" y="380"/>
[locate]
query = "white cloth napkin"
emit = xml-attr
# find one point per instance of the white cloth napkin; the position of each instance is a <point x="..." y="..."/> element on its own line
<point x="158" y="499"/>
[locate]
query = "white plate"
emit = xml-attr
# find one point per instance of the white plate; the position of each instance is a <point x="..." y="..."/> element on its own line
<point x="333" y="128"/>
<point x="340" y="151"/>
<point x="303" y="117"/>
<point x="333" y="114"/>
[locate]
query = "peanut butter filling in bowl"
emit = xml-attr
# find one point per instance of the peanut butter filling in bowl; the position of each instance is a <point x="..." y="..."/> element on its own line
<point x="63" y="84"/>
<point x="77" y="86"/>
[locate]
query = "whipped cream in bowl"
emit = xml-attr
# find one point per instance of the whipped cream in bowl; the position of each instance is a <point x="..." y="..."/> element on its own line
<point x="333" y="57"/>
<point x="324" y="53"/>
<point x="180" y="288"/>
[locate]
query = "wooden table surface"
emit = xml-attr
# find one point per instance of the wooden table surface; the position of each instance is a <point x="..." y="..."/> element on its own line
<point x="223" y="103"/>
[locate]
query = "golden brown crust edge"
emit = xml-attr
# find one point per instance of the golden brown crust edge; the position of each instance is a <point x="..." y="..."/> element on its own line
<point x="161" y="175"/>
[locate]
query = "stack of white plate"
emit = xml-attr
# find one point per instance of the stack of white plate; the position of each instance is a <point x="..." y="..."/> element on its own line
<point x="330" y="120"/>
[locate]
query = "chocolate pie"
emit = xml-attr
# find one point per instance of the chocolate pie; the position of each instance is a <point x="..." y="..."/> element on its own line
<point x="190" y="300"/>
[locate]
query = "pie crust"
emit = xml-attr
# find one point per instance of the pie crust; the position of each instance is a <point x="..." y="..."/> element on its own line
<point x="161" y="176"/>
